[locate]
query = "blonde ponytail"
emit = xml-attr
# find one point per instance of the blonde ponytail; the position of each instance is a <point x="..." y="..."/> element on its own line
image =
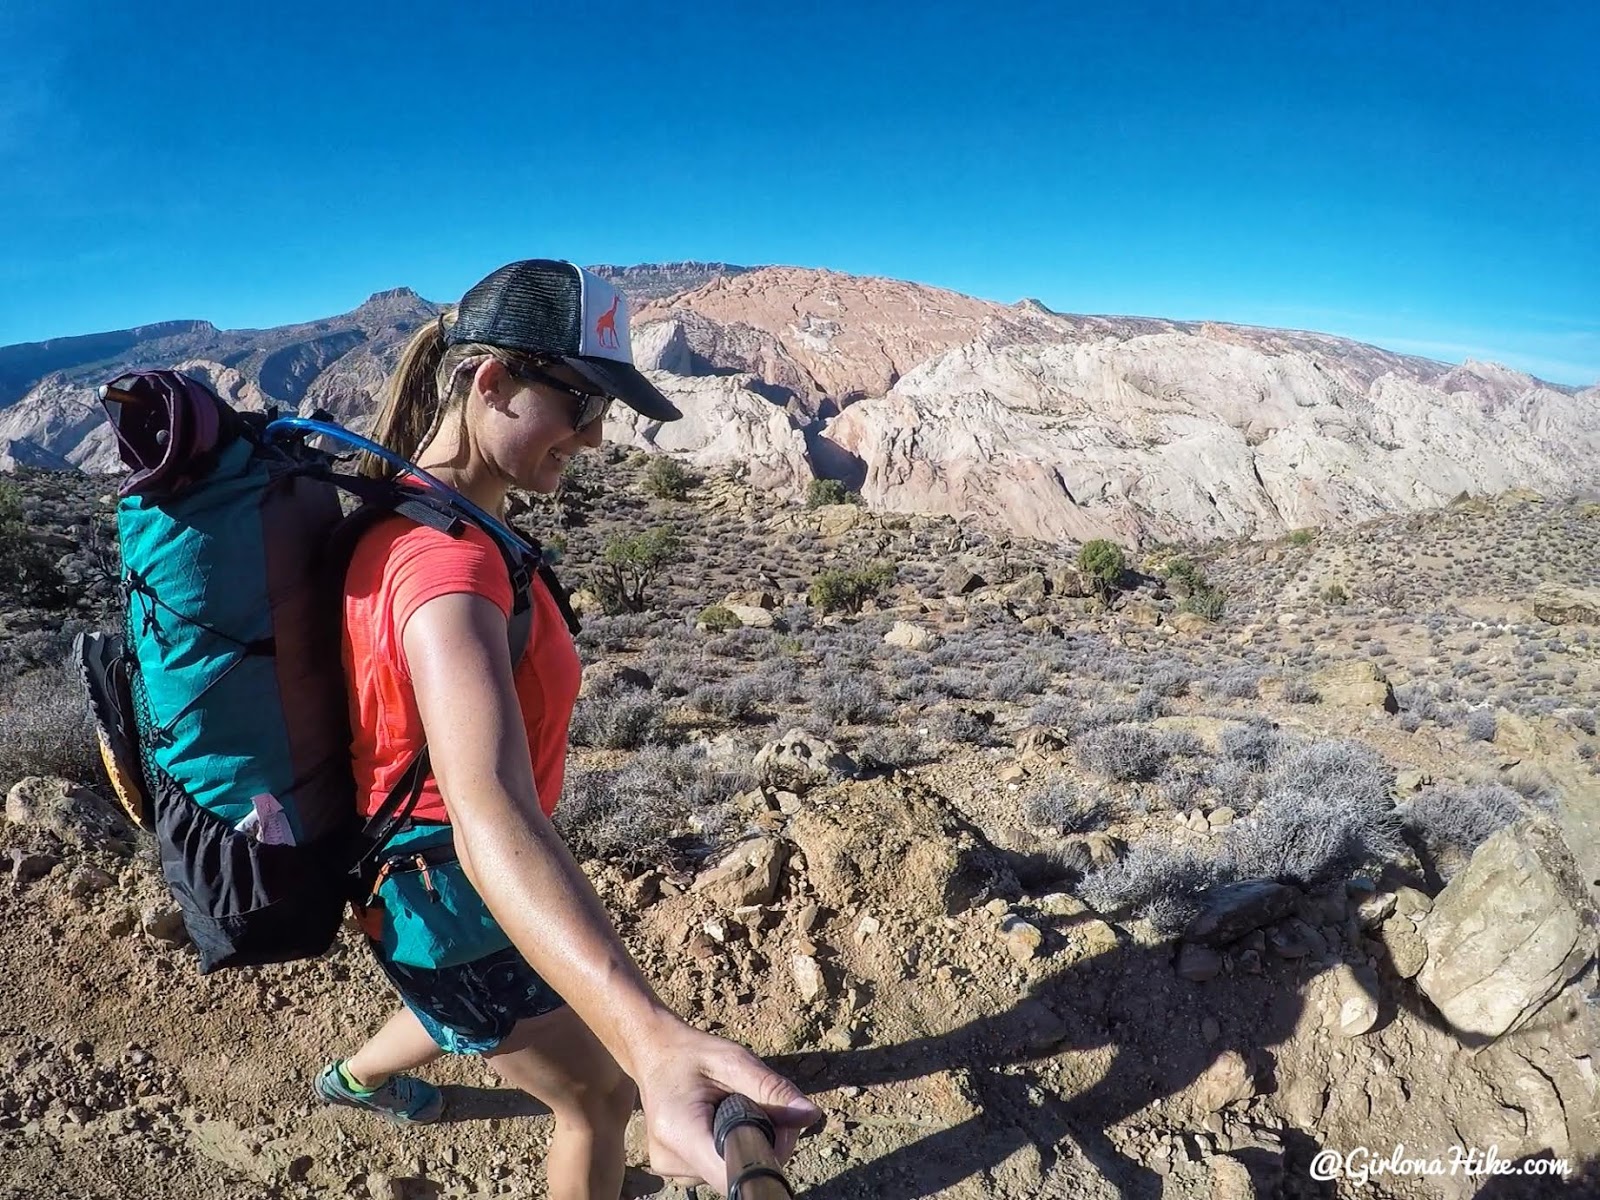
<point x="427" y="383"/>
<point x="413" y="402"/>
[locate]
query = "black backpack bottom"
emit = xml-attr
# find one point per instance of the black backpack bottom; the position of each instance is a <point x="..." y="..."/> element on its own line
<point x="244" y="902"/>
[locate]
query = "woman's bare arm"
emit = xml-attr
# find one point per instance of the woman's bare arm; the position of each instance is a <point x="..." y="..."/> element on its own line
<point x="455" y="648"/>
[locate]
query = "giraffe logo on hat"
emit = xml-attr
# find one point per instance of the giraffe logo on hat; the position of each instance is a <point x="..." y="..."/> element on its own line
<point x="605" y="327"/>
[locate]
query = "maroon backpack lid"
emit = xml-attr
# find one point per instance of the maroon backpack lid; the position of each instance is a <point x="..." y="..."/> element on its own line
<point x="166" y="425"/>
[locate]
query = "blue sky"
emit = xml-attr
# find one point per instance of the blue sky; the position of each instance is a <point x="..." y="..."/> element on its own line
<point x="1421" y="175"/>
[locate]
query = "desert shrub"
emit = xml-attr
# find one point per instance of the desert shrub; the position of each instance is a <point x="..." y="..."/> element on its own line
<point x="1582" y="719"/>
<point x="617" y="720"/>
<point x="1252" y="745"/>
<point x="1205" y="601"/>
<point x="1408" y="722"/>
<point x="1241" y="682"/>
<point x="847" y="590"/>
<point x="1335" y="593"/>
<point x="1301" y="537"/>
<point x="957" y="726"/>
<point x="1013" y="682"/>
<point x="1169" y="681"/>
<point x="671" y="674"/>
<point x="718" y="618"/>
<point x="848" y="700"/>
<point x="736" y="700"/>
<point x="45" y="729"/>
<point x="829" y="491"/>
<point x="1055" y="712"/>
<point x="631" y="563"/>
<point x="667" y="478"/>
<point x="1418" y="699"/>
<point x="1452" y="820"/>
<point x="1480" y="726"/>
<point x="631" y="813"/>
<point x="1153" y="880"/>
<point x="30" y="575"/>
<point x="893" y="746"/>
<point x="1182" y="572"/>
<point x="1298" y="690"/>
<point x="1326" y="812"/>
<point x="1064" y="808"/>
<point x="1105" y="564"/>
<point x="1123" y="752"/>
<point x="37" y="649"/>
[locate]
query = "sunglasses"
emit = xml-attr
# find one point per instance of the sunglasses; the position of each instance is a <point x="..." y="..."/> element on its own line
<point x="590" y="406"/>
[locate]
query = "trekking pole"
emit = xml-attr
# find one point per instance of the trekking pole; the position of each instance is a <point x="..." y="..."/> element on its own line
<point x="744" y="1136"/>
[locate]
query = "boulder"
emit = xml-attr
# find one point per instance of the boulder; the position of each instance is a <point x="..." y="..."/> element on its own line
<point x="1030" y="587"/>
<point x="834" y="520"/>
<point x="909" y="636"/>
<point x="1071" y="583"/>
<point x="1406" y="948"/>
<point x="752" y="616"/>
<point x="1359" y="685"/>
<point x="748" y="874"/>
<point x="1145" y="613"/>
<point x="1236" y="909"/>
<point x="72" y="813"/>
<point x="1226" y="1081"/>
<point x="1508" y="932"/>
<point x="1566" y="605"/>
<point x="750" y="600"/>
<point x="958" y="580"/>
<point x="800" y="760"/>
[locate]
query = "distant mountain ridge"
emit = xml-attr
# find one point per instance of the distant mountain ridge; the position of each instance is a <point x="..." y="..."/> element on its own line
<point x="1053" y="425"/>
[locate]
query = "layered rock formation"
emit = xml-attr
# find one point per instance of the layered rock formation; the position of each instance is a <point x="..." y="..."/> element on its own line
<point x="1054" y="426"/>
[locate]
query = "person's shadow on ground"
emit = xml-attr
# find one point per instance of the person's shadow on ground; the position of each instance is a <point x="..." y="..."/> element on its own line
<point x="1128" y="999"/>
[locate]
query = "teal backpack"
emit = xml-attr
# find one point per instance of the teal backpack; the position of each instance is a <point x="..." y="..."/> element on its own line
<point x="221" y="706"/>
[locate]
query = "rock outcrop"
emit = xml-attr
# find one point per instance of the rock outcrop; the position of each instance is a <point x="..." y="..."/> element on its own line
<point x="1508" y="932"/>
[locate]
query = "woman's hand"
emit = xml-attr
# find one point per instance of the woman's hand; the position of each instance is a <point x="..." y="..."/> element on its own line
<point x="682" y="1076"/>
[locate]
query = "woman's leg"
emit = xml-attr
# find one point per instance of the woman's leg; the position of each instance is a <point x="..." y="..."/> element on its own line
<point x="556" y="1059"/>
<point x="401" y="1045"/>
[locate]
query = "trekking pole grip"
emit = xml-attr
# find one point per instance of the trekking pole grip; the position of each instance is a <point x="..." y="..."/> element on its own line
<point x="744" y="1136"/>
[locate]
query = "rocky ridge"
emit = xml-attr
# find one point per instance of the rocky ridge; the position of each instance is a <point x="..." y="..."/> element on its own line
<point x="1045" y="424"/>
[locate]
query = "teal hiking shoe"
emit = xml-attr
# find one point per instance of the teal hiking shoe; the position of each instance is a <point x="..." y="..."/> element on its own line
<point x="404" y="1100"/>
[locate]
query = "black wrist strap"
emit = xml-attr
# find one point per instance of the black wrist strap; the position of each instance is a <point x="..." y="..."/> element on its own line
<point x="758" y="1173"/>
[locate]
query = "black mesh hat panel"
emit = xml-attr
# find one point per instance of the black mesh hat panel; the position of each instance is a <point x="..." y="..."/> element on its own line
<point x="535" y="306"/>
<point x="539" y="307"/>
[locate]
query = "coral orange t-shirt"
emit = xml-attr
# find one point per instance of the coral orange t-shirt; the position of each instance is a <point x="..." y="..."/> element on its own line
<point x="399" y="566"/>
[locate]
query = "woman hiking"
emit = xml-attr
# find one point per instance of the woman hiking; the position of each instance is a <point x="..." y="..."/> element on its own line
<point x="496" y="942"/>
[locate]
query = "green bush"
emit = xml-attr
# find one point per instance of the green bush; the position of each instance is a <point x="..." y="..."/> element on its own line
<point x="829" y="491"/>
<point x="631" y="563"/>
<point x="719" y="618"/>
<point x="1104" y="562"/>
<point x="1334" y="593"/>
<point x="30" y="575"/>
<point x="667" y="479"/>
<point x="838" y="590"/>
<point x="1301" y="537"/>
<point x="1205" y="601"/>
<point x="1183" y="572"/>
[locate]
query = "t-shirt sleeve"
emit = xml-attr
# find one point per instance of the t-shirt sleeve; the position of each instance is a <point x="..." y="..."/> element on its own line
<point x="425" y="564"/>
